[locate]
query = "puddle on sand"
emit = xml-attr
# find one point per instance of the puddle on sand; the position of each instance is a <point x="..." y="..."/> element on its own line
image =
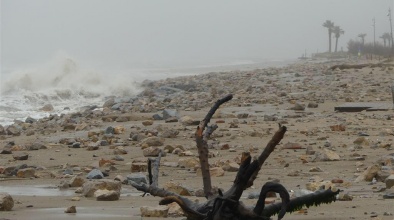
<point x="43" y="190"/>
<point x="82" y="213"/>
<point x="40" y="190"/>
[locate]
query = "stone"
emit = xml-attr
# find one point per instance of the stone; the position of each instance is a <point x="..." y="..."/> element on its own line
<point x="153" y="141"/>
<point x="157" y="117"/>
<point x="214" y="171"/>
<point x="339" y="127"/>
<point x="169" y="133"/>
<point x="310" y="150"/>
<point x="119" y="130"/>
<point x="315" y="169"/>
<point x="26" y="173"/>
<point x="47" y="108"/>
<point x="30" y="120"/>
<point x="107" y="195"/>
<point x="389" y="181"/>
<point x="151" y="152"/>
<point x="147" y="123"/>
<point x="137" y="178"/>
<point x="326" y="155"/>
<point x="6" y="202"/>
<point x="20" y="156"/>
<point x="177" y="188"/>
<point x="230" y="167"/>
<point x="313" y="105"/>
<point x="76" y="181"/>
<point x="174" y="210"/>
<point x="188" y="121"/>
<point x="171" y="120"/>
<point x="139" y="167"/>
<point x="298" y="107"/>
<point x="13" y="130"/>
<point x="71" y="209"/>
<point x="169" y="113"/>
<point x="368" y="174"/>
<point x="362" y="141"/>
<point x="313" y="186"/>
<point x="95" y="174"/>
<point x="89" y="188"/>
<point x="188" y="162"/>
<point x="158" y="211"/>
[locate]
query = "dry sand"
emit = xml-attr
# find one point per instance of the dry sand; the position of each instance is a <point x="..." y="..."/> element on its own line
<point x="39" y="198"/>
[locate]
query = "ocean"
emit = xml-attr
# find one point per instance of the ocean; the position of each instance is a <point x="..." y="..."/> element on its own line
<point x="68" y="86"/>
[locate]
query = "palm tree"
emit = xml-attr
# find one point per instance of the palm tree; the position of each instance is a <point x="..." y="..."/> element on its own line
<point x="362" y="36"/>
<point x="386" y="37"/>
<point x="337" y="33"/>
<point x="329" y="25"/>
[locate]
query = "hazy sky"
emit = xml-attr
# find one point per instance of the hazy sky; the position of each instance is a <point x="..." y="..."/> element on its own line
<point x="133" y="34"/>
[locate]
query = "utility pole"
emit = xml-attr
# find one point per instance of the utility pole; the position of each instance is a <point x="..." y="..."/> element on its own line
<point x="391" y="28"/>
<point x="373" y="24"/>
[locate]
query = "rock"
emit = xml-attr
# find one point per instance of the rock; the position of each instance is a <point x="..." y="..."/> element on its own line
<point x="338" y="127"/>
<point x="106" y="195"/>
<point x="171" y="120"/>
<point x="310" y="151"/>
<point x="157" y="117"/>
<point x="47" y="108"/>
<point x="326" y="155"/>
<point x="119" y="130"/>
<point x="389" y="181"/>
<point x="362" y="141"/>
<point x="6" y="202"/>
<point x="315" y="169"/>
<point x="242" y="115"/>
<point x="231" y="167"/>
<point x="388" y="195"/>
<point x="109" y="103"/>
<point x="13" y="130"/>
<point x="177" y="188"/>
<point x="37" y="146"/>
<point x="71" y="209"/>
<point x="89" y="188"/>
<point x="139" y="167"/>
<point x="147" y="123"/>
<point x="312" y="105"/>
<point x="26" y="173"/>
<point x="214" y="171"/>
<point x="188" y="121"/>
<point x="20" y="156"/>
<point x="298" y="107"/>
<point x="313" y="186"/>
<point x="95" y="174"/>
<point x="188" y="162"/>
<point x="345" y="197"/>
<point x="187" y="153"/>
<point x="169" y="113"/>
<point x="158" y="211"/>
<point x="137" y="178"/>
<point x="270" y="118"/>
<point x="151" y="152"/>
<point x="76" y="181"/>
<point x="153" y="141"/>
<point x="292" y="146"/>
<point x="368" y="174"/>
<point x="169" y="133"/>
<point x="174" y="210"/>
<point x="30" y="120"/>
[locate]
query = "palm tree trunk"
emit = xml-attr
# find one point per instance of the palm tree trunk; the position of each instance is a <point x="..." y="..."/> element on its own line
<point x="329" y="40"/>
<point x="336" y="44"/>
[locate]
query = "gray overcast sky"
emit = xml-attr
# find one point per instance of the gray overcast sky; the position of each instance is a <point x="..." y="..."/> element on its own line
<point x="136" y="34"/>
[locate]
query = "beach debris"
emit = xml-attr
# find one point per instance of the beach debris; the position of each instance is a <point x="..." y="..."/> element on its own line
<point x="157" y="211"/>
<point x="227" y="203"/>
<point x="71" y="209"/>
<point x="6" y="202"/>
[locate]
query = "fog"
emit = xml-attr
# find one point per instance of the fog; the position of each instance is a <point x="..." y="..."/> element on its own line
<point x="127" y="34"/>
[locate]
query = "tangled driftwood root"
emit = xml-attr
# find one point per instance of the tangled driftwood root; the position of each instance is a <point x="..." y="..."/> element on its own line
<point x="227" y="205"/>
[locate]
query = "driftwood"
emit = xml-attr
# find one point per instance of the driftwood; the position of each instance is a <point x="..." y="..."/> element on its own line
<point x="226" y="205"/>
<point x="360" y="66"/>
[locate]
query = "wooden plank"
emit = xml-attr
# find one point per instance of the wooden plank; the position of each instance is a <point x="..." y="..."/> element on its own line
<point x="361" y="106"/>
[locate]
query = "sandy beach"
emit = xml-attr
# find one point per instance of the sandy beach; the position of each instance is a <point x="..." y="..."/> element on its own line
<point x="301" y="96"/>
